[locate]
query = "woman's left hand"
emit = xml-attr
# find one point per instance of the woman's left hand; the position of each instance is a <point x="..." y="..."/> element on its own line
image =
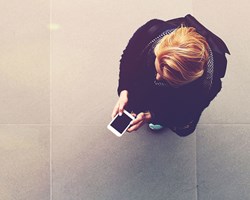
<point x="141" y="119"/>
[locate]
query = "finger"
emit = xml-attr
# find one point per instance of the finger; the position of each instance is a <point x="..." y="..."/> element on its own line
<point x="135" y="127"/>
<point x="133" y="114"/>
<point x="132" y="128"/>
<point x="140" y="117"/>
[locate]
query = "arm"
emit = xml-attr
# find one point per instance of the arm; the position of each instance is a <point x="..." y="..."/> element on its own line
<point x="130" y="59"/>
<point x="204" y="102"/>
<point x="184" y="129"/>
<point x="180" y="114"/>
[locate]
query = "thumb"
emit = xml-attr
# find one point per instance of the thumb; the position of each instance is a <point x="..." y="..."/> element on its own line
<point x="121" y="108"/>
<point x="133" y="114"/>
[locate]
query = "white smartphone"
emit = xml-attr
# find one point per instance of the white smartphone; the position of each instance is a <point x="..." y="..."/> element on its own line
<point x="120" y="124"/>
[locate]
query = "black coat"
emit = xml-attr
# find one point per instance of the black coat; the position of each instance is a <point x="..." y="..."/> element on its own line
<point x="171" y="107"/>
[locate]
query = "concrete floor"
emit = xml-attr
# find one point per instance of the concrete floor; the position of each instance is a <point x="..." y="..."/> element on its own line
<point x="59" y="65"/>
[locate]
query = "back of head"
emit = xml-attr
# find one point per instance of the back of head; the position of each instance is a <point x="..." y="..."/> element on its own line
<point x="181" y="56"/>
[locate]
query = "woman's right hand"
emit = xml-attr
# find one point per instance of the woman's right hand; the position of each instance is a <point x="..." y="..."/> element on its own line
<point x="121" y="103"/>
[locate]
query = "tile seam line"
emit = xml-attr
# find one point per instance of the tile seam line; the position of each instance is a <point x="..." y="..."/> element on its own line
<point x="196" y="132"/>
<point x="196" y="169"/>
<point x="26" y="124"/>
<point x="50" y="122"/>
<point x="224" y="124"/>
<point x="105" y="124"/>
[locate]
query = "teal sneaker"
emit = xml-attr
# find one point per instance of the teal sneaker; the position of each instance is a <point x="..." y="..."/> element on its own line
<point x="155" y="127"/>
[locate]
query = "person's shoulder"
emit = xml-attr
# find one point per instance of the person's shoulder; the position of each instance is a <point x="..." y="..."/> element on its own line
<point x="220" y="64"/>
<point x="153" y="21"/>
<point x="148" y="26"/>
<point x="152" y="25"/>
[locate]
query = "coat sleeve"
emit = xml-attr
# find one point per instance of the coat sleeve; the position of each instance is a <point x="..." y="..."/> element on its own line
<point x="182" y="119"/>
<point x="129" y="62"/>
<point x="189" y="127"/>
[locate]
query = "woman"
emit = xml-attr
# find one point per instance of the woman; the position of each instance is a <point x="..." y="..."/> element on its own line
<point x="169" y="73"/>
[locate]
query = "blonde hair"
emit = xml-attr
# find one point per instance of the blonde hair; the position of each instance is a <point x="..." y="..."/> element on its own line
<point x="181" y="56"/>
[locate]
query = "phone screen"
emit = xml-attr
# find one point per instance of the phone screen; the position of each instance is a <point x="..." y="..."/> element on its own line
<point x="121" y="122"/>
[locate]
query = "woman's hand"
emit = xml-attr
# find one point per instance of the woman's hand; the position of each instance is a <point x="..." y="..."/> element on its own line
<point x="121" y="103"/>
<point x="141" y="119"/>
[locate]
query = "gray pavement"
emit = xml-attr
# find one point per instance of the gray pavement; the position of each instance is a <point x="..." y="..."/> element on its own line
<point x="58" y="79"/>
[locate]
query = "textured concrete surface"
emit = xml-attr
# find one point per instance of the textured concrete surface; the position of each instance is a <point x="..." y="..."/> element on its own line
<point x="24" y="62"/>
<point x="58" y="78"/>
<point x="90" y="162"/>
<point x="223" y="155"/>
<point x="25" y="162"/>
